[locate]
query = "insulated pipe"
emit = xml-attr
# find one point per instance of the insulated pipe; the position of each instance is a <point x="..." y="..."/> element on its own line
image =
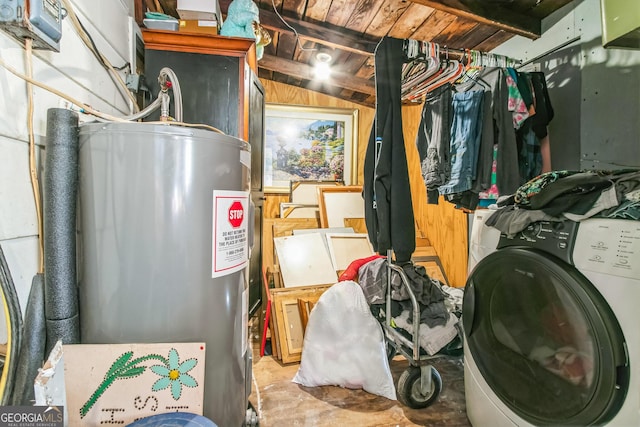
<point x="59" y="207"/>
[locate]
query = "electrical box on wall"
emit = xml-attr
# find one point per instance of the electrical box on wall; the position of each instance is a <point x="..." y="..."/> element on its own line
<point x="40" y="20"/>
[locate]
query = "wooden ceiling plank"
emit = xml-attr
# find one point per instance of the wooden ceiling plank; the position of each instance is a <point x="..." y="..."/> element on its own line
<point x="359" y="97"/>
<point x="489" y="14"/>
<point x="304" y="71"/>
<point x="390" y="11"/>
<point x="348" y="94"/>
<point x="352" y="63"/>
<point x="367" y="70"/>
<point x="363" y="14"/>
<point x="458" y="40"/>
<point x="280" y="77"/>
<point x="319" y="34"/>
<point x="317" y="10"/>
<point x="265" y="74"/>
<point x="292" y="81"/>
<point x="434" y="25"/>
<point x="449" y="35"/>
<point x="340" y="11"/>
<point x="476" y="36"/>
<point x="494" y="41"/>
<point x="307" y="53"/>
<point x="294" y="8"/>
<point x="266" y="4"/>
<point x="372" y="101"/>
<point x="410" y="21"/>
<point x="287" y="46"/>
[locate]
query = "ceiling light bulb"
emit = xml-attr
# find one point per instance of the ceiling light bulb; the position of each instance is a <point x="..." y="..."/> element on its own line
<point x="322" y="71"/>
<point x="323" y="57"/>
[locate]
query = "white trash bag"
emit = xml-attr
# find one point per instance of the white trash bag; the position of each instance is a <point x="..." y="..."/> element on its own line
<point x="344" y="344"/>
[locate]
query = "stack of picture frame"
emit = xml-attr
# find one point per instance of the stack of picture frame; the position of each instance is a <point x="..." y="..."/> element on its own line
<point x="303" y="199"/>
<point x="290" y="297"/>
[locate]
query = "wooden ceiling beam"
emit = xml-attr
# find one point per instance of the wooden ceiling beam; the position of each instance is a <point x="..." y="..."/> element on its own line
<point x="490" y="14"/>
<point x="305" y="72"/>
<point x="330" y="37"/>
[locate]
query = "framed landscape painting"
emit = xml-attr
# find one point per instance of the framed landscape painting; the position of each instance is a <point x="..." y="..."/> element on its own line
<point x="309" y="143"/>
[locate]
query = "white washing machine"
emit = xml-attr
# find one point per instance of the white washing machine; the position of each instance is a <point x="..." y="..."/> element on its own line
<point x="552" y="325"/>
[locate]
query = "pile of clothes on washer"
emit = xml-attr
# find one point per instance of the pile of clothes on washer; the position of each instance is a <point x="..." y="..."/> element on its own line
<point x="569" y="195"/>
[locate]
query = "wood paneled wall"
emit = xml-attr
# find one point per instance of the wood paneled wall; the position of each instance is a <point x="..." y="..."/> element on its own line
<point x="442" y="224"/>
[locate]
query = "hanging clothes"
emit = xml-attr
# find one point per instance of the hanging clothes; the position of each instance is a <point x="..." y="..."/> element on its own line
<point x="432" y="140"/>
<point x="507" y="171"/>
<point x="485" y="173"/>
<point x="466" y="133"/>
<point x="387" y="193"/>
<point x="544" y="110"/>
<point x="531" y="136"/>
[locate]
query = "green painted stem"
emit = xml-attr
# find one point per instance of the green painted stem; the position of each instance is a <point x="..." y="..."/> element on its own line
<point x="114" y="376"/>
<point x="96" y="395"/>
<point x="145" y="358"/>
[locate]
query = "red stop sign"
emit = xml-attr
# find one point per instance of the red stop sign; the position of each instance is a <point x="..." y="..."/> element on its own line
<point x="236" y="214"/>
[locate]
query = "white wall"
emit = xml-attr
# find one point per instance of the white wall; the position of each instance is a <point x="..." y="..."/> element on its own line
<point x="74" y="71"/>
<point x="595" y="91"/>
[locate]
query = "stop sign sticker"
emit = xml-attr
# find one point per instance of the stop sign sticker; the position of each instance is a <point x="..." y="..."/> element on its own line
<point x="236" y="214"/>
<point x="231" y="238"/>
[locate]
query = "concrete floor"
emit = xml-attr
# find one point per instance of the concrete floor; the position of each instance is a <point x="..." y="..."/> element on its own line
<point x="280" y="402"/>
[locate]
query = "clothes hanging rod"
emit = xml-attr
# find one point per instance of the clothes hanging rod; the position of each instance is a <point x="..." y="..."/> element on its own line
<point x="550" y="51"/>
<point x="462" y="54"/>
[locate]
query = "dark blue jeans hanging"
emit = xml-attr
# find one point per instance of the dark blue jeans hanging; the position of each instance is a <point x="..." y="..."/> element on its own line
<point x="466" y="132"/>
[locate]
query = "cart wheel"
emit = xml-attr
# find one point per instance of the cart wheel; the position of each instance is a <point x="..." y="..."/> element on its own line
<point x="409" y="388"/>
<point x="391" y="351"/>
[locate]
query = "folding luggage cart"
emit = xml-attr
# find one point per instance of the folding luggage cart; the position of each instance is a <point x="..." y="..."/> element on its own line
<point x="420" y="384"/>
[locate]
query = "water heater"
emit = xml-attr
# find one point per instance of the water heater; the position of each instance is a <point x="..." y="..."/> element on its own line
<point x="165" y="228"/>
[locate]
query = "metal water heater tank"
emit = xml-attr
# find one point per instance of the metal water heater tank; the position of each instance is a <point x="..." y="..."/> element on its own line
<point x="155" y="201"/>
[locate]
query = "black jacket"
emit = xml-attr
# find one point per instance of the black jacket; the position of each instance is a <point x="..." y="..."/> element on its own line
<point x="387" y="194"/>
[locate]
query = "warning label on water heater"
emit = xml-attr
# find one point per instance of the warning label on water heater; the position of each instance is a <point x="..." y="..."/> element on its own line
<point x="230" y="232"/>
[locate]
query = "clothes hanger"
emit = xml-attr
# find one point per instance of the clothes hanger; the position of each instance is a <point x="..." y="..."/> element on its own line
<point x="452" y="72"/>
<point x="416" y="75"/>
<point x="471" y="77"/>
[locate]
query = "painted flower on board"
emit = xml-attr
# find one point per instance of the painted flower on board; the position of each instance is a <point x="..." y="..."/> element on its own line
<point x="174" y="374"/>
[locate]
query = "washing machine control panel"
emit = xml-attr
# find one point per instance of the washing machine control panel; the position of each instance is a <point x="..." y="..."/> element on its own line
<point x="556" y="238"/>
<point x="610" y="246"/>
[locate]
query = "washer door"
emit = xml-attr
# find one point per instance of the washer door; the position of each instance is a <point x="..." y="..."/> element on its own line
<point x="544" y="339"/>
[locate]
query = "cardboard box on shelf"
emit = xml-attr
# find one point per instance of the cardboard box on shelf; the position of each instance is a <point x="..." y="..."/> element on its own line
<point x="208" y="10"/>
<point x="198" y="27"/>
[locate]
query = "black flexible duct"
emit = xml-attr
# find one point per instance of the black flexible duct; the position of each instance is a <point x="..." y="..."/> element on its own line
<point x="60" y="197"/>
<point x="32" y="349"/>
<point x="14" y="330"/>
